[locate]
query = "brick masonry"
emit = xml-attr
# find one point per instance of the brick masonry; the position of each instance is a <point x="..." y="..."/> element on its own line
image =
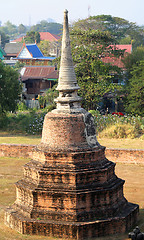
<point x="69" y="189"/>
<point x="132" y="156"/>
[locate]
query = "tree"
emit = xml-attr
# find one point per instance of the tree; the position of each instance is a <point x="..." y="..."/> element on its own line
<point x="44" y="46"/>
<point x="21" y="29"/>
<point x="133" y="59"/>
<point x="94" y="77"/>
<point x="10" y="88"/>
<point x="4" y="38"/>
<point x="121" y="29"/>
<point x="44" y="26"/>
<point x="32" y="36"/>
<point x="10" y="28"/>
<point x="135" y="90"/>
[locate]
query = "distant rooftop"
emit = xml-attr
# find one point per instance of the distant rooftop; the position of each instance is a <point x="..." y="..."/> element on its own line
<point x="39" y="72"/>
<point x="43" y="36"/>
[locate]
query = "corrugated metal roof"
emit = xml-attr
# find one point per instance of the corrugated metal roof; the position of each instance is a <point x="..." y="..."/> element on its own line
<point x="13" y="48"/>
<point x="38" y="72"/>
<point x="34" y="50"/>
<point x="53" y="75"/>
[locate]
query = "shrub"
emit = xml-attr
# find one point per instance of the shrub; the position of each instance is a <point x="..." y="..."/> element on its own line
<point x="119" y="131"/>
<point x="21" y="106"/>
<point x="135" y="124"/>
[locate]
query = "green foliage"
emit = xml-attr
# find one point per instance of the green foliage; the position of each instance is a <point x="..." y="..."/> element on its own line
<point x="121" y="29"/>
<point x="41" y="100"/>
<point x="18" y="65"/>
<point x="119" y="131"/>
<point x="44" y="26"/>
<point x="44" y="47"/>
<point x="51" y="94"/>
<point x="4" y="38"/>
<point x="135" y="90"/>
<point x="9" y="28"/>
<point x="21" y="106"/>
<point x="113" y="126"/>
<point x="32" y="36"/>
<point x="22" y="29"/>
<point x="31" y="122"/>
<point x="133" y="59"/>
<point x="94" y="77"/>
<point x="10" y="88"/>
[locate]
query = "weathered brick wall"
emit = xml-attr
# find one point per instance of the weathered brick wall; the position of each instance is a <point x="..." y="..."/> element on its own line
<point x="16" y="150"/>
<point x="135" y="156"/>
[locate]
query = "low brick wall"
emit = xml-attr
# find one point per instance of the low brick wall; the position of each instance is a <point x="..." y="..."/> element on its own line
<point x="16" y="150"/>
<point x="134" y="156"/>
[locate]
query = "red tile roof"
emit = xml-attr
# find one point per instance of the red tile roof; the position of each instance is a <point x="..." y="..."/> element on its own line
<point x="43" y="36"/>
<point x="18" y="39"/>
<point x="49" y="36"/>
<point x="38" y="72"/>
<point x="126" y="47"/>
<point x="118" y="61"/>
<point x="113" y="61"/>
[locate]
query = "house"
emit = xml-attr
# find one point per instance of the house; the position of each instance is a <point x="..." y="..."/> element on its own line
<point x="53" y="39"/>
<point x="127" y="49"/>
<point x="30" y="54"/>
<point x="49" y="37"/>
<point x="110" y="100"/>
<point x="43" y="36"/>
<point x="37" y="79"/>
<point x="11" y="50"/>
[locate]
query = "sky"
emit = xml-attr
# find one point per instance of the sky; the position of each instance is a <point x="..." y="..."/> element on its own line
<point x="30" y="12"/>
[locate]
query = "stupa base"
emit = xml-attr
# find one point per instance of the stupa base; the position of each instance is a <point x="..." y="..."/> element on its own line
<point x="73" y="230"/>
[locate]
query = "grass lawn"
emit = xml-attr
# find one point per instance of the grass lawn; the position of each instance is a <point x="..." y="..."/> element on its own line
<point x="19" y="139"/>
<point x="11" y="171"/>
<point x="127" y="143"/>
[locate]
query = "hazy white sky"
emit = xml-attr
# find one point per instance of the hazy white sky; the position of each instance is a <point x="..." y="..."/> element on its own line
<point x="32" y="11"/>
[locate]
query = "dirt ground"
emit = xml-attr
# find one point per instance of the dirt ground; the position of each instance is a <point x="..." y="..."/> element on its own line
<point x="11" y="171"/>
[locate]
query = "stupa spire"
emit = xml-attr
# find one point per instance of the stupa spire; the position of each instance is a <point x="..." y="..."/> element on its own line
<point x="68" y="100"/>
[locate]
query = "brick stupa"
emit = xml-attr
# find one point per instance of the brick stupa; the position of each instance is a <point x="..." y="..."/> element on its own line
<point x="69" y="189"/>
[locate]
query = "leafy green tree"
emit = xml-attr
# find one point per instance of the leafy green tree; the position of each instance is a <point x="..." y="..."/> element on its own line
<point x="21" y="29"/>
<point x="9" y="28"/>
<point x="135" y="90"/>
<point x="10" y="88"/>
<point x="121" y="29"/>
<point x="51" y="94"/>
<point x="133" y="59"/>
<point x="4" y="38"/>
<point x="94" y="77"/>
<point x="44" y="46"/>
<point x="32" y="36"/>
<point x="44" y="26"/>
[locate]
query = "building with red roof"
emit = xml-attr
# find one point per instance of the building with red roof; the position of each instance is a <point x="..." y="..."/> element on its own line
<point x="117" y="61"/>
<point x="53" y="39"/>
<point x="43" y="36"/>
<point x="49" y="36"/>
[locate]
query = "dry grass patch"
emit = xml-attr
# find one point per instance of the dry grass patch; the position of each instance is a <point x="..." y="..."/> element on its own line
<point x="137" y="143"/>
<point x="19" y="139"/>
<point x="125" y="143"/>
